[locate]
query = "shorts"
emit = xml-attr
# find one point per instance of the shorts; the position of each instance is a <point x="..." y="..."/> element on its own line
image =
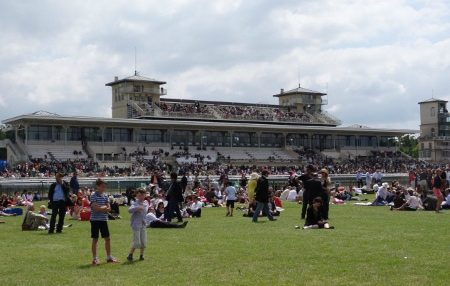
<point x="101" y="226"/>
<point x="437" y="192"/>
<point x="230" y="203"/>
<point x="139" y="238"/>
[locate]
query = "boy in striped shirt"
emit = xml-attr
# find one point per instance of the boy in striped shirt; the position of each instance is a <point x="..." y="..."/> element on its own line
<point x="99" y="221"/>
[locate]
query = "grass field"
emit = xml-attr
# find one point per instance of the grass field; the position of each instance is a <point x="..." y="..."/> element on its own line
<point x="370" y="246"/>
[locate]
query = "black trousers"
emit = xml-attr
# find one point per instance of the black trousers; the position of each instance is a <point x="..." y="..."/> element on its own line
<point x="58" y="208"/>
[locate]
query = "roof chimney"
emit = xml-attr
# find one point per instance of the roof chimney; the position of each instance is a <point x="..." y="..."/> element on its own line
<point x="282" y="91"/>
<point x="116" y="78"/>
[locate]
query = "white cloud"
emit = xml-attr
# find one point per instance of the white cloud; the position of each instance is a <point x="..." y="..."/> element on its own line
<point x="378" y="58"/>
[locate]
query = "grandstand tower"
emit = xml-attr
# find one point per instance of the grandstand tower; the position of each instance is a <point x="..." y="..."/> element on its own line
<point x="134" y="95"/>
<point x="434" y="140"/>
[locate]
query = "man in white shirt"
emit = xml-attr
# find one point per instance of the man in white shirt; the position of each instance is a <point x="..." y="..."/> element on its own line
<point x="195" y="209"/>
<point x="292" y="195"/>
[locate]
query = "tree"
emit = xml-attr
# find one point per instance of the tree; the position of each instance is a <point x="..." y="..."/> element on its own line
<point x="410" y="145"/>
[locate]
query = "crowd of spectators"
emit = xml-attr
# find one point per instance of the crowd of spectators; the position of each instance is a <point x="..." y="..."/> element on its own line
<point x="237" y="112"/>
<point x="187" y="108"/>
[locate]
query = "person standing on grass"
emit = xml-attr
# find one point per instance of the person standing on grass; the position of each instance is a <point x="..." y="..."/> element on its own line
<point x="138" y="213"/>
<point x="307" y="196"/>
<point x="262" y="197"/>
<point x="59" y="197"/>
<point x="99" y="221"/>
<point x="325" y="194"/>
<point x="174" y="196"/>
<point x="231" y="198"/>
<point x="437" y="185"/>
<point x="74" y="184"/>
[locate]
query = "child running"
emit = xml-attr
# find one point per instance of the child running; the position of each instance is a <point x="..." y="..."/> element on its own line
<point x="99" y="221"/>
<point x="138" y="213"/>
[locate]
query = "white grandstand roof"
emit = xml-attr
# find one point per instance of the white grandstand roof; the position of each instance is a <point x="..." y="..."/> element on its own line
<point x="206" y="125"/>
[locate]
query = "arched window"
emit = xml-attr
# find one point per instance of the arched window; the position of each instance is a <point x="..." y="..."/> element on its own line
<point x="432" y="111"/>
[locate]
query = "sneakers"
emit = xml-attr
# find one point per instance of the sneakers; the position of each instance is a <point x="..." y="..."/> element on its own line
<point x="141" y="257"/>
<point x="95" y="262"/>
<point x="112" y="260"/>
<point x="130" y="257"/>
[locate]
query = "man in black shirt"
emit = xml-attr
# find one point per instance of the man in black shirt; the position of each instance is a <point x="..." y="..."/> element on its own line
<point x="306" y="194"/>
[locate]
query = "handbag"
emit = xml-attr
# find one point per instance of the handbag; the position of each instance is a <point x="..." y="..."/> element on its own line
<point x="24" y="225"/>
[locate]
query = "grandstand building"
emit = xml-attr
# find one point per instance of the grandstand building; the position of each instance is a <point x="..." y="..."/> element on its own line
<point x="142" y="117"/>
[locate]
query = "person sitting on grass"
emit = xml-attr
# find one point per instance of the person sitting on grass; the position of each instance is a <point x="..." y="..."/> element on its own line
<point x="154" y="222"/>
<point x="412" y="204"/>
<point x="251" y="208"/>
<point x="4" y="203"/>
<point x="34" y="220"/>
<point x="74" y="211"/>
<point x="381" y="195"/>
<point x="160" y="209"/>
<point x="43" y="211"/>
<point x="446" y="204"/>
<point x="195" y="208"/>
<point x="115" y="212"/>
<point x="429" y="202"/>
<point x="272" y="207"/>
<point x="398" y="200"/>
<point x="314" y="216"/>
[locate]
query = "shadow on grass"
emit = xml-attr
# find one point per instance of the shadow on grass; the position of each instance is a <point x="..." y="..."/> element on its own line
<point x="125" y="263"/>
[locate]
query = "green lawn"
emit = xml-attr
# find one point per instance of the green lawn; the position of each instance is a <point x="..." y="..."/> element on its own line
<point x="370" y="246"/>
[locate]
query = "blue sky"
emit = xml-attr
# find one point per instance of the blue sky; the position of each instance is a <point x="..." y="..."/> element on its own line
<point x="378" y="58"/>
